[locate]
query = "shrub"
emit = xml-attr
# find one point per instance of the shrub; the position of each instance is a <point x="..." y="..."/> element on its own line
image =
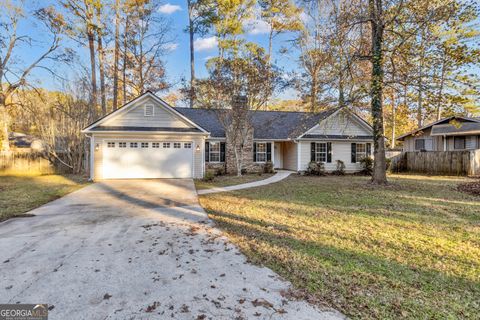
<point x="340" y="170"/>
<point x="268" y="167"/>
<point x="209" y="175"/>
<point x="367" y="164"/>
<point x="316" y="169"/>
<point x="219" y="171"/>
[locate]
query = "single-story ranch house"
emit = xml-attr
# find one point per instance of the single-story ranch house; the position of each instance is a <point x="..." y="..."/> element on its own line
<point x="448" y="134"/>
<point x="147" y="138"/>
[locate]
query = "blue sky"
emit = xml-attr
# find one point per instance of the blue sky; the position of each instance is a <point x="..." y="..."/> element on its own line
<point x="177" y="60"/>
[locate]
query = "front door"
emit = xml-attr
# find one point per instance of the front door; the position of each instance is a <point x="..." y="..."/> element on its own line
<point x="278" y="155"/>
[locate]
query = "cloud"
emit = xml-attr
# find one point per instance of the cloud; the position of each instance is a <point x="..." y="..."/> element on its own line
<point x="170" y="46"/>
<point x="204" y="44"/>
<point x="169" y="8"/>
<point x="256" y="26"/>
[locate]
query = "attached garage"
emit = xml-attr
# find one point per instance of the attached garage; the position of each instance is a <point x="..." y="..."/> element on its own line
<point x="146" y="139"/>
<point x="147" y="159"/>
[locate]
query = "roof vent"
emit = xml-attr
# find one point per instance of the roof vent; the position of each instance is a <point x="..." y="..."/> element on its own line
<point x="148" y="110"/>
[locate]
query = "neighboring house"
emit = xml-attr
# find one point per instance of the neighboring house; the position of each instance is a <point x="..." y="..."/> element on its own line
<point x="25" y="142"/>
<point x="448" y="134"/>
<point x="147" y="138"/>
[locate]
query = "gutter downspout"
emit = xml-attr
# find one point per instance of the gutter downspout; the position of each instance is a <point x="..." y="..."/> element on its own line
<point x="444" y="143"/>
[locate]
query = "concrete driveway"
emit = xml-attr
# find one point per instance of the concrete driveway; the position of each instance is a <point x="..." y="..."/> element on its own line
<point x="136" y="250"/>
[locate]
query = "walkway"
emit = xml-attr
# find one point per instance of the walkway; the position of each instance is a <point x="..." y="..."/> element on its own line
<point x="280" y="175"/>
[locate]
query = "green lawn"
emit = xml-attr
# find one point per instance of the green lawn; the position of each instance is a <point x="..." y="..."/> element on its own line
<point x="227" y="180"/>
<point x="409" y="250"/>
<point x="19" y="194"/>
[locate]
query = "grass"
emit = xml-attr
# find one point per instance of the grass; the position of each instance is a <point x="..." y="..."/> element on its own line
<point x="228" y="180"/>
<point x="21" y="193"/>
<point x="408" y="250"/>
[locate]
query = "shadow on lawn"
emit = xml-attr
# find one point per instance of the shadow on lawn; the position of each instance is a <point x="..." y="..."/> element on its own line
<point x="352" y="280"/>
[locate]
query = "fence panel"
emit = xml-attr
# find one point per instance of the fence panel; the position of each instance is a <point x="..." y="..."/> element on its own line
<point x="24" y="162"/>
<point x="438" y="162"/>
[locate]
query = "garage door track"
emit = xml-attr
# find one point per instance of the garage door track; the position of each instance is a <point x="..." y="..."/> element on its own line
<point x="136" y="249"/>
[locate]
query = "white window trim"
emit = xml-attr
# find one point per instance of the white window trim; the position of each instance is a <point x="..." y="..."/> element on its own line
<point x="265" y="152"/>
<point x="219" y="151"/>
<point x="323" y="152"/>
<point x="145" y="110"/>
<point x="357" y="158"/>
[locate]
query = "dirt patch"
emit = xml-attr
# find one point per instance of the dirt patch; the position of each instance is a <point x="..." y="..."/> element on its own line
<point x="470" y="188"/>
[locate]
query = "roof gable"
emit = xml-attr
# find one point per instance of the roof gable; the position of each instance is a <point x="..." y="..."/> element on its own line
<point x="132" y="117"/>
<point x="342" y="122"/>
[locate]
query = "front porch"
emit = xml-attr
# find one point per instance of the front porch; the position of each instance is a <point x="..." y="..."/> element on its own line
<point x="284" y="155"/>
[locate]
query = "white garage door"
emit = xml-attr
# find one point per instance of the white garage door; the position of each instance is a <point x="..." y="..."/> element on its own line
<point x="147" y="159"/>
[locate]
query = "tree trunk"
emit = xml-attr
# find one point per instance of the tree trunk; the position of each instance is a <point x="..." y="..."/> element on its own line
<point x="313" y="93"/>
<point x="101" y="60"/>
<point x="192" y="54"/>
<point x="125" y="59"/>
<point x="116" y="55"/>
<point x="91" y="46"/>
<point x="379" y="175"/>
<point x="440" y="90"/>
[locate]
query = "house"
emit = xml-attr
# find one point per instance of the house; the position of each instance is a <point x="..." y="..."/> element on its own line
<point x="147" y="138"/>
<point x="449" y="134"/>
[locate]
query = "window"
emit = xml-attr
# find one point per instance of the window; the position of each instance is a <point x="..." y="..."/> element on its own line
<point x="419" y="144"/>
<point x="459" y="142"/>
<point x="187" y="145"/>
<point x="361" y="151"/>
<point x="214" y="152"/>
<point x="144" y="144"/>
<point x="155" y="144"/>
<point x="111" y="144"/>
<point x="122" y="144"/>
<point x="177" y="145"/>
<point x="148" y="110"/>
<point x="133" y="145"/>
<point x="166" y="144"/>
<point x="321" y="152"/>
<point x="261" y="152"/>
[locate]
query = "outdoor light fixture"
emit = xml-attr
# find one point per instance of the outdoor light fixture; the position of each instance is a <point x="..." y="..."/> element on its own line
<point x="198" y="147"/>
<point x="97" y="146"/>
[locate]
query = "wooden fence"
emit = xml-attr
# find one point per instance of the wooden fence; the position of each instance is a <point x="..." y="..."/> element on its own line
<point x="438" y="162"/>
<point x="24" y="162"/>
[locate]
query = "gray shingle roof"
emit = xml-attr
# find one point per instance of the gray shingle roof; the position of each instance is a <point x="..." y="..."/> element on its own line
<point x="127" y="128"/>
<point x="266" y="124"/>
<point x="463" y="127"/>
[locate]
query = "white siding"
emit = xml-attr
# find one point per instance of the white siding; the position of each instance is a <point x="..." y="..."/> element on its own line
<point x="341" y="124"/>
<point x="135" y="117"/>
<point x="434" y="143"/>
<point x="197" y="155"/>
<point x="341" y="150"/>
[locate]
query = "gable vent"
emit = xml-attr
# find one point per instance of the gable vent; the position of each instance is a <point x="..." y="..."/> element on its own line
<point x="148" y="110"/>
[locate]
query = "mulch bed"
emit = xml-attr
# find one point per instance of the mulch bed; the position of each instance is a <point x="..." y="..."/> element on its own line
<point x="470" y="187"/>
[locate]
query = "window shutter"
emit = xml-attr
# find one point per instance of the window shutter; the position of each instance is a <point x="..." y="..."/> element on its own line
<point x="222" y="151"/>
<point x="269" y="151"/>
<point x="312" y="151"/>
<point x="354" y="153"/>
<point x="254" y="152"/>
<point x="329" y="152"/>
<point x="207" y="151"/>
<point x="369" y="149"/>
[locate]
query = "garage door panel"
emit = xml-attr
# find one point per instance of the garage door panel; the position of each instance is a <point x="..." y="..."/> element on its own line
<point x="131" y="163"/>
